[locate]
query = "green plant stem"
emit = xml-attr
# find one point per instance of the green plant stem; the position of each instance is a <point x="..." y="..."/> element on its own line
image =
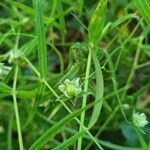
<point x="135" y="63"/>
<point x="16" y="109"/>
<point x="125" y="42"/>
<point x="115" y="84"/>
<point x="81" y="2"/>
<point x="79" y="146"/>
<point x="143" y="65"/>
<point x="9" y="134"/>
<point x="122" y="45"/>
<point x="32" y="67"/>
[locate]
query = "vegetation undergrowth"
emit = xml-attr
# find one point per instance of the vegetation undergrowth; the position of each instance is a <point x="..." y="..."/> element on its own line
<point x="74" y="74"/>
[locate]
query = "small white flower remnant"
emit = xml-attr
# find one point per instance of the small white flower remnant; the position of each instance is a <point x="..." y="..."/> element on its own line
<point x="126" y="106"/>
<point x="1" y="130"/>
<point x="71" y="88"/>
<point x="139" y="120"/>
<point x="4" y="70"/>
<point x="13" y="55"/>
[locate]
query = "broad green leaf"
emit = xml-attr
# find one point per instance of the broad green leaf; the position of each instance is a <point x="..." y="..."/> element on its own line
<point x="143" y="7"/>
<point x="97" y="21"/>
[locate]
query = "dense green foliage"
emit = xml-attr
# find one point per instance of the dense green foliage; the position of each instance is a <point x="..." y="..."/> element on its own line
<point x="74" y="74"/>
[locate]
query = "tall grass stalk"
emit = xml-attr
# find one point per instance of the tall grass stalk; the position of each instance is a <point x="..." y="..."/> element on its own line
<point x="84" y="97"/>
<point x="42" y="53"/>
<point x="16" y="109"/>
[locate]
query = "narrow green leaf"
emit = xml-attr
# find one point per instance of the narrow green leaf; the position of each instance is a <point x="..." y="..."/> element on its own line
<point x="42" y="53"/>
<point x="143" y="7"/>
<point x="23" y="7"/>
<point x="111" y="25"/>
<point x="95" y="30"/>
<point x="99" y="90"/>
<point x="97" y="21"/>
<point x="80" y="2"/>
<point x="122" y="20"/>
<point x="5" y="88"/>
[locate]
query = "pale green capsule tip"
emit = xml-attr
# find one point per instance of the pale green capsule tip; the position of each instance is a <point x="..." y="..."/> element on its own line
<point x="139" y="120"/>
<point x="71" y="88"/>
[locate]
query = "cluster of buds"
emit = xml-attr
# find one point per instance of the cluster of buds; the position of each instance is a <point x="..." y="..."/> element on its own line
<point x="71" y="88"/>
